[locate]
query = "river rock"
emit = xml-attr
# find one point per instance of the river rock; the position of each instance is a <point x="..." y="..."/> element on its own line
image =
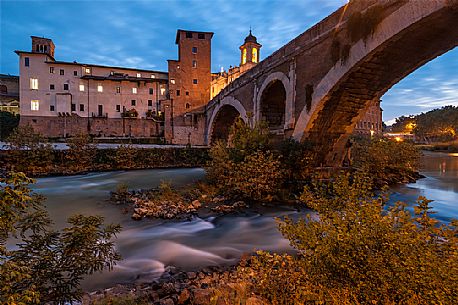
<point x="184" y="296"/>
<point x="196" y="204"/>
<point x="136" y="216"/>
<point x="167" y="301"/>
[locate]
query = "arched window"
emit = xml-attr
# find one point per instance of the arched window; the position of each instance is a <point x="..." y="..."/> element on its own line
<point x="3" y="89"/>
<point x="254" y="55"/>
<point x="244" y="57"/>
<point x="188" y="106"/>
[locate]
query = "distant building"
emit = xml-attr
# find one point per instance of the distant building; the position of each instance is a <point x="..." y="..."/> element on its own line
<point x="370" y="121"/>
<point x="60" y="99"/>
<point x="9" y="93"/>
<point x="249" y="57"/>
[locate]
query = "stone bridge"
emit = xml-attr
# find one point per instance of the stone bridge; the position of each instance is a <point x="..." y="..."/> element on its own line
<point x="315" y="87"/>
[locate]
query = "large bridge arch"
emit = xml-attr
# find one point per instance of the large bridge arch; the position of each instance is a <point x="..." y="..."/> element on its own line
<point x="405" y="40"/>
<point x="222" y="118"/>
<point x="275" y="94"/>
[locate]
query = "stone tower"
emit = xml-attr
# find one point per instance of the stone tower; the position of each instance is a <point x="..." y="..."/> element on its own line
<point x="249" y="53"/>
<point x="42" y="45"/>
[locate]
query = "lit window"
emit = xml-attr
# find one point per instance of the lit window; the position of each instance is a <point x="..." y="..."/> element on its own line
<point x="87" y="70"/>
<point x="172" y="81"/>
<point x="134" y="90"/>
<point x="99" y="88"/>
<point x="244" y="57"/>
<point x="34" y="83"/>
<point x="162" y="91"/>
<point x="35" y="105"/>
<point x="118" y="89"/>
<point x="194" y="50"/>
<point x="81" y="87"/>
<point x="139" y="75"/>
<point x="254" y="55"/>
<point x="194" y="63"/>
<point x="153" y="76"/>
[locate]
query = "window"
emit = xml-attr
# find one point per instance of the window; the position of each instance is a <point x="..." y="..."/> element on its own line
<point x="134" y="90"/>
<point x="51" y="69"/>
<point x="153" y="76"/>
<point x="118" y="89"/>
<point x="172" y="81"/>
<point x="178" y="92"/>
<point x="81" y="107"/>
<point x="51" y="107"/>
<point x="194" y="50"/>
<point x="3" y="89"/>
<point x="187" y="92"/>
<point x="188" y="34"/>
<point x="73" y="107"/>
<point x="35" y="105"/>
<point x="254" y="55"/>
<point x="65" y="86"/>
<point x="81" y="87"/>
<point x="188" y="106"/>
<point x="194" y="81"/>
<point x="75" y="73"/>
<point x="194" y="63"/>
<point x="87" y="70"/>
<point x="139" y="75"/>
<point x="132" y="102"/>
<point x="26" y="61"/>
<point x="201" y="36"/>
<point x="150" y="103"/>
<point x="61" y="72"/>
<point x="118" y="108"/>
<point x="244" y="57"/>
<point x="34" y="83"/>
<point x="99" y="88"/>
<point x="162" y="90"/>
<point x="51" y="87"/>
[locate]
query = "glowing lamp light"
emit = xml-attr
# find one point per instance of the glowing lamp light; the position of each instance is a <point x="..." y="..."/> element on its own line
<point x="372" y="133"/>
<point x="398" y="139"/>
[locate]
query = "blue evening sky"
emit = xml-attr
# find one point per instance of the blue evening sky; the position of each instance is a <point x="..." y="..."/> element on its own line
<point x="141" y="34"/>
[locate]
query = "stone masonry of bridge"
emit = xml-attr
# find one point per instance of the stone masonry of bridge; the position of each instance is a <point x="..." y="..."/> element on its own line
<point x="317" y="86"/>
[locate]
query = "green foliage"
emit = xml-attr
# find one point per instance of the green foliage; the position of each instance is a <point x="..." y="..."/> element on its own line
<point x="355" y="251"/>
<point x="125" y="156"/>
<point x="385" y="161"/>
<point x="122" y="300"/>
<point x="47" y="265"/>
<point x="442" y="124"/>
<point x="245" y="166"/>
<point x="403" y="123"/>
<point x="8" y="122"/>
<point x="39" y="153"/>
<point x="80" y="154"/>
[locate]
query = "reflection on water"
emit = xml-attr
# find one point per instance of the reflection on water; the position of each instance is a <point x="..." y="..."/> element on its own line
<point x="149" y="246"/>
<point x="440" y="185"/>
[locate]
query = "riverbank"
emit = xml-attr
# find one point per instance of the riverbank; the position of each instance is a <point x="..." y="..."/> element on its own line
<point x="45" y="161"/>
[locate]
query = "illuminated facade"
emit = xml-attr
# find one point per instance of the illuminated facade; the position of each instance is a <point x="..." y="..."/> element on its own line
<point x="249" y="57"/>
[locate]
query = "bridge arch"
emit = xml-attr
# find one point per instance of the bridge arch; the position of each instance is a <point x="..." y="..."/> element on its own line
<point x="402" y="42"/>
<point x="222" y="118"/>
<point x="274" y="102"/>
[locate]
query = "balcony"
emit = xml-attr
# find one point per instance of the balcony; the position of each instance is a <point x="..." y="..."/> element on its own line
<point x="132" y="113"/>
<point x="99" y="115"/>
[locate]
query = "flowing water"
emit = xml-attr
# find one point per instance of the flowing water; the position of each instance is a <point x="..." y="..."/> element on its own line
<point x="148" y="246"/>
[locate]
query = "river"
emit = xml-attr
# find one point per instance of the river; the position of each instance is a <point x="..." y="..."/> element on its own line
<point x="148" y="246"/>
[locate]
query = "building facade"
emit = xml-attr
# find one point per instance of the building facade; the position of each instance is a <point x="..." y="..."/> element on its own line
<point x="9" y="93"/>
<point x="60" y="99"/>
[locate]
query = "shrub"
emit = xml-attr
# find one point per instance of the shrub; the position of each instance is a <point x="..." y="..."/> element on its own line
<point x="8" y="122"/>
<point x="81" y="153"/>
<point x="354" y="250"/>
<point x="47" y="265"/>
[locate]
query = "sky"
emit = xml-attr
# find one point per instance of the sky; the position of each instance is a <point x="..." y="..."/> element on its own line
<point x="141" y="34"/>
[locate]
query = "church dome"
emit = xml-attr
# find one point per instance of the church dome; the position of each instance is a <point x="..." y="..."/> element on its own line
<point x="251" y="38"/>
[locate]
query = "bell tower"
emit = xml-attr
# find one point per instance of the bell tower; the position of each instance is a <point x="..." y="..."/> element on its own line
<point x="249" y="52"/>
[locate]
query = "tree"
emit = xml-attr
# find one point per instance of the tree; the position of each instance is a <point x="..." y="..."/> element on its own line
<point x="47" y="265"/>
<point x="81" y="153"/>
<point x="356" y="250"/>
<point x="8" y="121"/>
